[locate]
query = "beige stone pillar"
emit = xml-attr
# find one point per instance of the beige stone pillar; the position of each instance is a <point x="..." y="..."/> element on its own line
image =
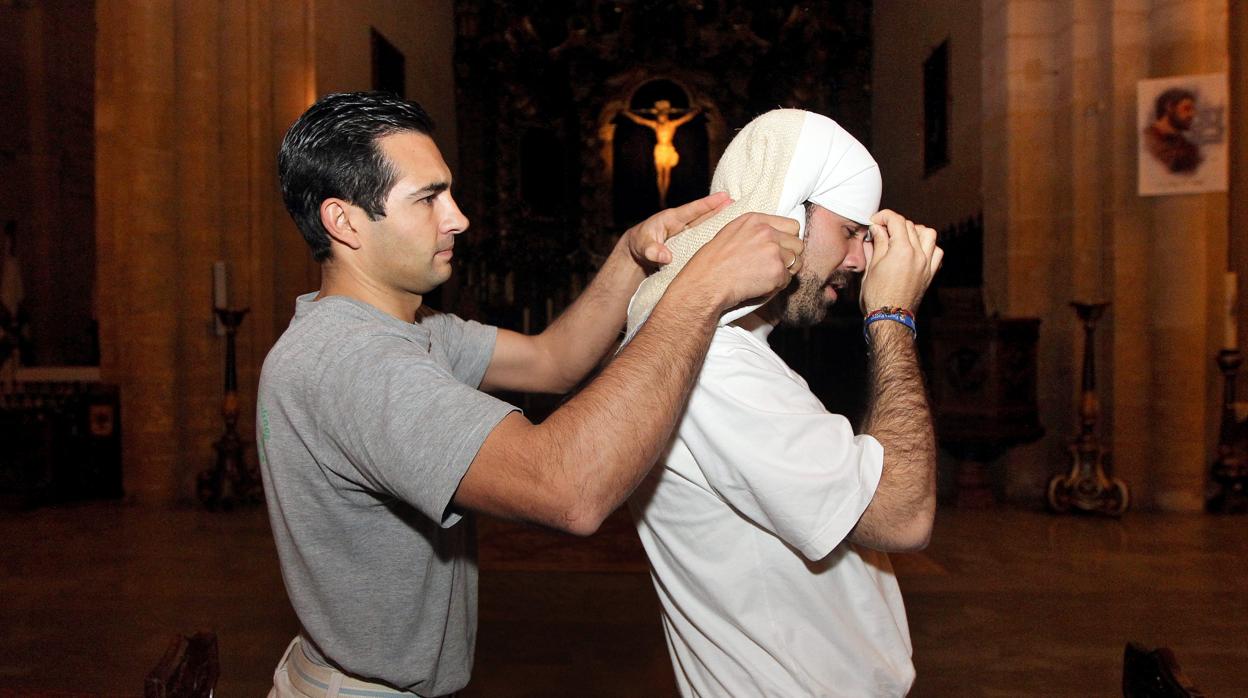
<point x="192" y="99"/>
<point x="1063" y="222"/>
<point x="1028" y="231"/>
<point x="1128" y="221"/>
<point x="1185" y="295"/>
<point x="136" y="236"/>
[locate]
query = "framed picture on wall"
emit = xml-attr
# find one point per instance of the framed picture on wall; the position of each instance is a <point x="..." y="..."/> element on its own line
<point x="1182" y="134"/>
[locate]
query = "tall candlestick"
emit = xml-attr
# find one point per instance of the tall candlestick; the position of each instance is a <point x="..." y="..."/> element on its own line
<point x="220" y="286"/>
<point x="1230" y="327"/>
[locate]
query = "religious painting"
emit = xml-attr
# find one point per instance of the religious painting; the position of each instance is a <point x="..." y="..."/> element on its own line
<point x="1182" y="123"/>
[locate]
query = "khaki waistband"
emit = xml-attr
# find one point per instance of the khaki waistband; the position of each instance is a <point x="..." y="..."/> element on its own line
<point x="319" y="681"/>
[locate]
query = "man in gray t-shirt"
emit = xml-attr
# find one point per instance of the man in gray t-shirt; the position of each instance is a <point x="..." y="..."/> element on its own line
<point x="389" y="414"/>
<point x="377" y="440"/>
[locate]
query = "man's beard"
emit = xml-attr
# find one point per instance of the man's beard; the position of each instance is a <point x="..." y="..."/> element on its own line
<point x="803" y="303"/>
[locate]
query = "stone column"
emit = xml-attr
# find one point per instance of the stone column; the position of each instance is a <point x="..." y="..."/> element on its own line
<point x="1128" y="223"/>
<point x="192" y="99"/>
<point x="1185" y="295"/>
<point x="1063" y="221"/>
<point x="137" y="236"/>
<point x="1028" y="235"/>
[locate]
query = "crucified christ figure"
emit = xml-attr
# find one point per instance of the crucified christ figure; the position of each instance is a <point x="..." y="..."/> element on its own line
<point x="664" y="127"/>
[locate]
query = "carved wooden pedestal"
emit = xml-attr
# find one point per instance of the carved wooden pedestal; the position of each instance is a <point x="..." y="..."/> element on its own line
<point x="983" y="393"/>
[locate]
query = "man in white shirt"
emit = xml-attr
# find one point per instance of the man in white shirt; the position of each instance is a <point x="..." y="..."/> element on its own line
<point x="768" y="525"/>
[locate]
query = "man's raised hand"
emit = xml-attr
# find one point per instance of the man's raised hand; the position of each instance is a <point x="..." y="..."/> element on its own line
<point x="646" y="239"/>
<point x="751" y="257"/>
<point x="900" y="266"/>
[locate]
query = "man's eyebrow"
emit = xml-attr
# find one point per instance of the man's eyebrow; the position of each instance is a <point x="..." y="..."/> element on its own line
<point x="432" y="188"/>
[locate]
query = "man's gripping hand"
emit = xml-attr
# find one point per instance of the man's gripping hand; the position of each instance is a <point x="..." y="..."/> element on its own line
<point x="901" y="262"/>
<point x="752" y="257"/>
<point x="646" y="239"/>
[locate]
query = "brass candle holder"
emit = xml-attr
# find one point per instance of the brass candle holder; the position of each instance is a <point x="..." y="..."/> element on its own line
<point x="231" y="481"/>
<point x="1228" y="475"/>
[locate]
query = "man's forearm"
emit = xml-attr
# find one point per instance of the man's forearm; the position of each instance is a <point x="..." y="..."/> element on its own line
<point x="574" y="468"/>
<point x="607" y="437"/>
<point x="900" y="514"/>
<point x="582" y="335"/>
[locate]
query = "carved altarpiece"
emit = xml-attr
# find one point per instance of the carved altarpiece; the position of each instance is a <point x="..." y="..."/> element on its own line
<point x="540" y="88"/>
<point x="540" y="71"/>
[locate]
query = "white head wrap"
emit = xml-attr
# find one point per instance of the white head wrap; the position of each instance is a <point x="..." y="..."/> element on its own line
<point x="778" y="162"/>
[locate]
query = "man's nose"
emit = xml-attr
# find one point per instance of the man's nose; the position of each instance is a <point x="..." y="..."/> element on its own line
<point x="856" y="260"/>
<point x="455" y="222"/>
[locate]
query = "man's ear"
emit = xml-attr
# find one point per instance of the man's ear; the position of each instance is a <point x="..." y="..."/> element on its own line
<point x="336" y="217"/>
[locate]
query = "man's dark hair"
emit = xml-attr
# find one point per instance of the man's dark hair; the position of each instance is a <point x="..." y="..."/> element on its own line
<point x="331" y="151"/>
<point x="1169" y="98"/>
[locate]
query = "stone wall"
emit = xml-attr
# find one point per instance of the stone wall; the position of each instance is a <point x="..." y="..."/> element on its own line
<point x="192" y="101"/>
<point x="1057" y="128"/>
<point x="905" y="33"/>
<point x="46" y="167"/>
<point x="421" y="29"/>
<point x="1067" y="223"/>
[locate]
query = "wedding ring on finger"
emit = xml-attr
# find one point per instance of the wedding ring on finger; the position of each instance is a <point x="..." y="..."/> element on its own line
<point x="793" y="261"/>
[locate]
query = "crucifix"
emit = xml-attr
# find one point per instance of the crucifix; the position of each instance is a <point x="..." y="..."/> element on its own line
<point x="664" y="127"/>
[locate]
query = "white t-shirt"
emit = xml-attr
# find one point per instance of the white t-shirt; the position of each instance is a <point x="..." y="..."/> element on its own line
<point x="745" y="522"/>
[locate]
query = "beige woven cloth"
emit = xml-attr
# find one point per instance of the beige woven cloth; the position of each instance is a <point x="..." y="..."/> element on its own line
<point x="778" y="162"/>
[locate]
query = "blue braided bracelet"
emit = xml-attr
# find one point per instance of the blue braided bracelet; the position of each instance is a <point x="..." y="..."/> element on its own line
<point x="901" y="315"/>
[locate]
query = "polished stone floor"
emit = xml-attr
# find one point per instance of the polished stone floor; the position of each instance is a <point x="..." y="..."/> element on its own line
<point x="1004" y="603"/>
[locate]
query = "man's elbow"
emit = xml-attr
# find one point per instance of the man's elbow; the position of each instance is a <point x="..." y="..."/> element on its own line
<point x="555" y="372"/>
<point x="581" y="521"/>
<point x="566" y="381"/>
<point x="577" y="509"/>
<point x="916" y="534"/>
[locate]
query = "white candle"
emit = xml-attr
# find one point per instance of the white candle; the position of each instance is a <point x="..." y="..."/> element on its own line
<point x="1230" y="328"/>
<point x="220" y="286"/>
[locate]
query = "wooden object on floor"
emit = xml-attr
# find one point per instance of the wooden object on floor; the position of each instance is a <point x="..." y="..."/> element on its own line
<point x="1228" y="476"/>
<point x="1154" y="674"/>
<point x="231" y="481"/>
<point x="983" y="388"/>
<point x="1087" y="487"/>
<point x="189" y="669"/>
<point x="60" y="441"/>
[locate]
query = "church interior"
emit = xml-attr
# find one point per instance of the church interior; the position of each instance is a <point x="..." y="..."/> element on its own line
<point x="1080" y="344"/>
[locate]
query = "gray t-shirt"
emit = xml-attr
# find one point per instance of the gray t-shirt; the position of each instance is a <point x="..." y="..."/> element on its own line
<point x="366" y="426"/>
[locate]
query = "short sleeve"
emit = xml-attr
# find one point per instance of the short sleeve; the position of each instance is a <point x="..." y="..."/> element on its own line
<point x="768" y="447"/>
<point x="411" y="426"/>
<point x="466" y="345"/>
